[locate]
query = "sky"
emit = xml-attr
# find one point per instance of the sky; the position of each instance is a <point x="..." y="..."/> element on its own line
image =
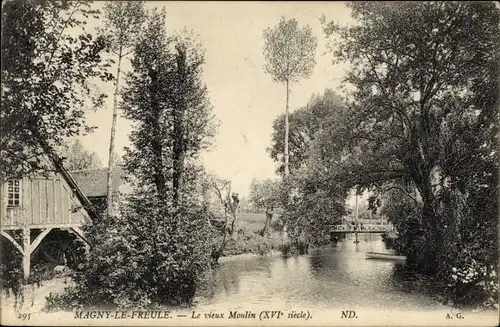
<point x="245" y="99"/>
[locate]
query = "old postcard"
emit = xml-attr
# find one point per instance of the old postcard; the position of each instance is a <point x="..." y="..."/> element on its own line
<point x="249" y="163"/>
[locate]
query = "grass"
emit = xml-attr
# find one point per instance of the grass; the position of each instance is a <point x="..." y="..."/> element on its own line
<point x="249" y="240"/>
<point x="253" y="221"/>
<point x="254" y="217"/>
<point x="250" y="222"/>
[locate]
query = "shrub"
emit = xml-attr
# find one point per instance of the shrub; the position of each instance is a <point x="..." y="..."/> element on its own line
<point x="470" y="255"/>
<point x="251" y="242"/>
<point x="465" y="246"/>
<point x="147" y="258"/>
<point x="277" y="224"/>
<point x="287" y="249"/>
<point x="11" y="274"/>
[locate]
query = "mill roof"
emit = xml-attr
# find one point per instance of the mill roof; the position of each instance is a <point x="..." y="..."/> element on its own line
<point x="93" y="182"/>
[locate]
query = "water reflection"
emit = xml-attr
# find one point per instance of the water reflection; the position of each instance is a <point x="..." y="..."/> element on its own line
<point x="333" y="276"/>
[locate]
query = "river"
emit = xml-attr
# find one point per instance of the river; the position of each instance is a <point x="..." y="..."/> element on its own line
<point x="315" y="289"/>
<point x="337" y="276"/>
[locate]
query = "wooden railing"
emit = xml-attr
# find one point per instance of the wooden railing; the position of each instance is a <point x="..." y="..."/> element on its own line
<point x="348" y="228"/>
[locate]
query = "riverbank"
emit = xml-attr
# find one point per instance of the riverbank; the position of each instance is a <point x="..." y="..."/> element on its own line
<point x="340" y="275"/>
<point x="33" y="298"/>
<point x="246" y="256"/>
<point x="252" y="242"/>
<point x="322" y="284"/>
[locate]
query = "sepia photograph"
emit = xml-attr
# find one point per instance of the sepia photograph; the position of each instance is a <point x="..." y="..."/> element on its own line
<point x="249" y="163"/>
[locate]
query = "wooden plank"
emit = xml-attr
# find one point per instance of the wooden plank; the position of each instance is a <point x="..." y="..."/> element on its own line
<point x="26" y="253"/>
<point x="45" y="202"/>
<point x="49" y="187"/>
<point x="3" y="204"/>
<point x="42" y="226"/>
<point x="32" y="205"/>
<point x="65" y="207"/>
<point x="61" y="201"/>
<point x="68" y="205"/>
<point x="12" y="214"/>
<point x="26" y="200"/>
<point x="39" y="199"/>
<point x="36" y="202"/>
<point x="57" y="199"/>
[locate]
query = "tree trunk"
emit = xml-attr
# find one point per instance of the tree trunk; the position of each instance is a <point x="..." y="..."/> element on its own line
<point x="431" y="228"/>
<point x="216" y="254"/>
<point x="234" y="226"/>
<point x="234" y="212"/>
<point x="179" y="149"/>
<point x="109" y="191"/>
<point x="158" y="176"/>
<point x="269" y="217"/>
<point x="287" y="170"/>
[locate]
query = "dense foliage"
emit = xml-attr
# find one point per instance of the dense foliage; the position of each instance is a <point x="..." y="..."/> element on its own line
<point x="310" y="197"/>
<point x="48" y="65"/>
<point x="159" y="247"/>
<point x="305" y="123"/>
<point x="423" y="120"/>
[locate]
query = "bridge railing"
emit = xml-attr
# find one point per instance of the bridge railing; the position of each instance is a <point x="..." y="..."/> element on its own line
<point x="359" y="228"/>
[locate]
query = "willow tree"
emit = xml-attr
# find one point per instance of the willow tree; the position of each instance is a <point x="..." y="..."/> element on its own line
<point x="123" y="21"/>
<point x="290" y="56"/>
<point x="423" y="115"/>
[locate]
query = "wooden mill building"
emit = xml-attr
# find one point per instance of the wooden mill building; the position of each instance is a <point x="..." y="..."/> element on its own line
<point x="42" y="214"/>
<point x="36" y="206"/>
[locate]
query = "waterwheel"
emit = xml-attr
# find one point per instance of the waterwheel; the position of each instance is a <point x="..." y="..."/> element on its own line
<point x="56" y="251"/>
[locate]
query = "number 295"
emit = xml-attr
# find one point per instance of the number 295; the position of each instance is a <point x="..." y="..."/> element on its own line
<point x="24" y="316"/>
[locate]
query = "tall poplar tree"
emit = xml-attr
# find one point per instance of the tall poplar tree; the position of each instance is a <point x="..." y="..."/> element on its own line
<point x="122" y="25"/>
<point x="290" y="56"/>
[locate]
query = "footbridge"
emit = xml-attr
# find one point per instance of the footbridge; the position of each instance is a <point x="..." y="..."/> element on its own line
<point x="350" y="228"/>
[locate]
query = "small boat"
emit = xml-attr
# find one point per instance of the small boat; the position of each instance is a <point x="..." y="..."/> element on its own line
<point x="384" y="256"/>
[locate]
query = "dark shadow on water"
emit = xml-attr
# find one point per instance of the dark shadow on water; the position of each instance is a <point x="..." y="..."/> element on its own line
<point x="407" y="280"/>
